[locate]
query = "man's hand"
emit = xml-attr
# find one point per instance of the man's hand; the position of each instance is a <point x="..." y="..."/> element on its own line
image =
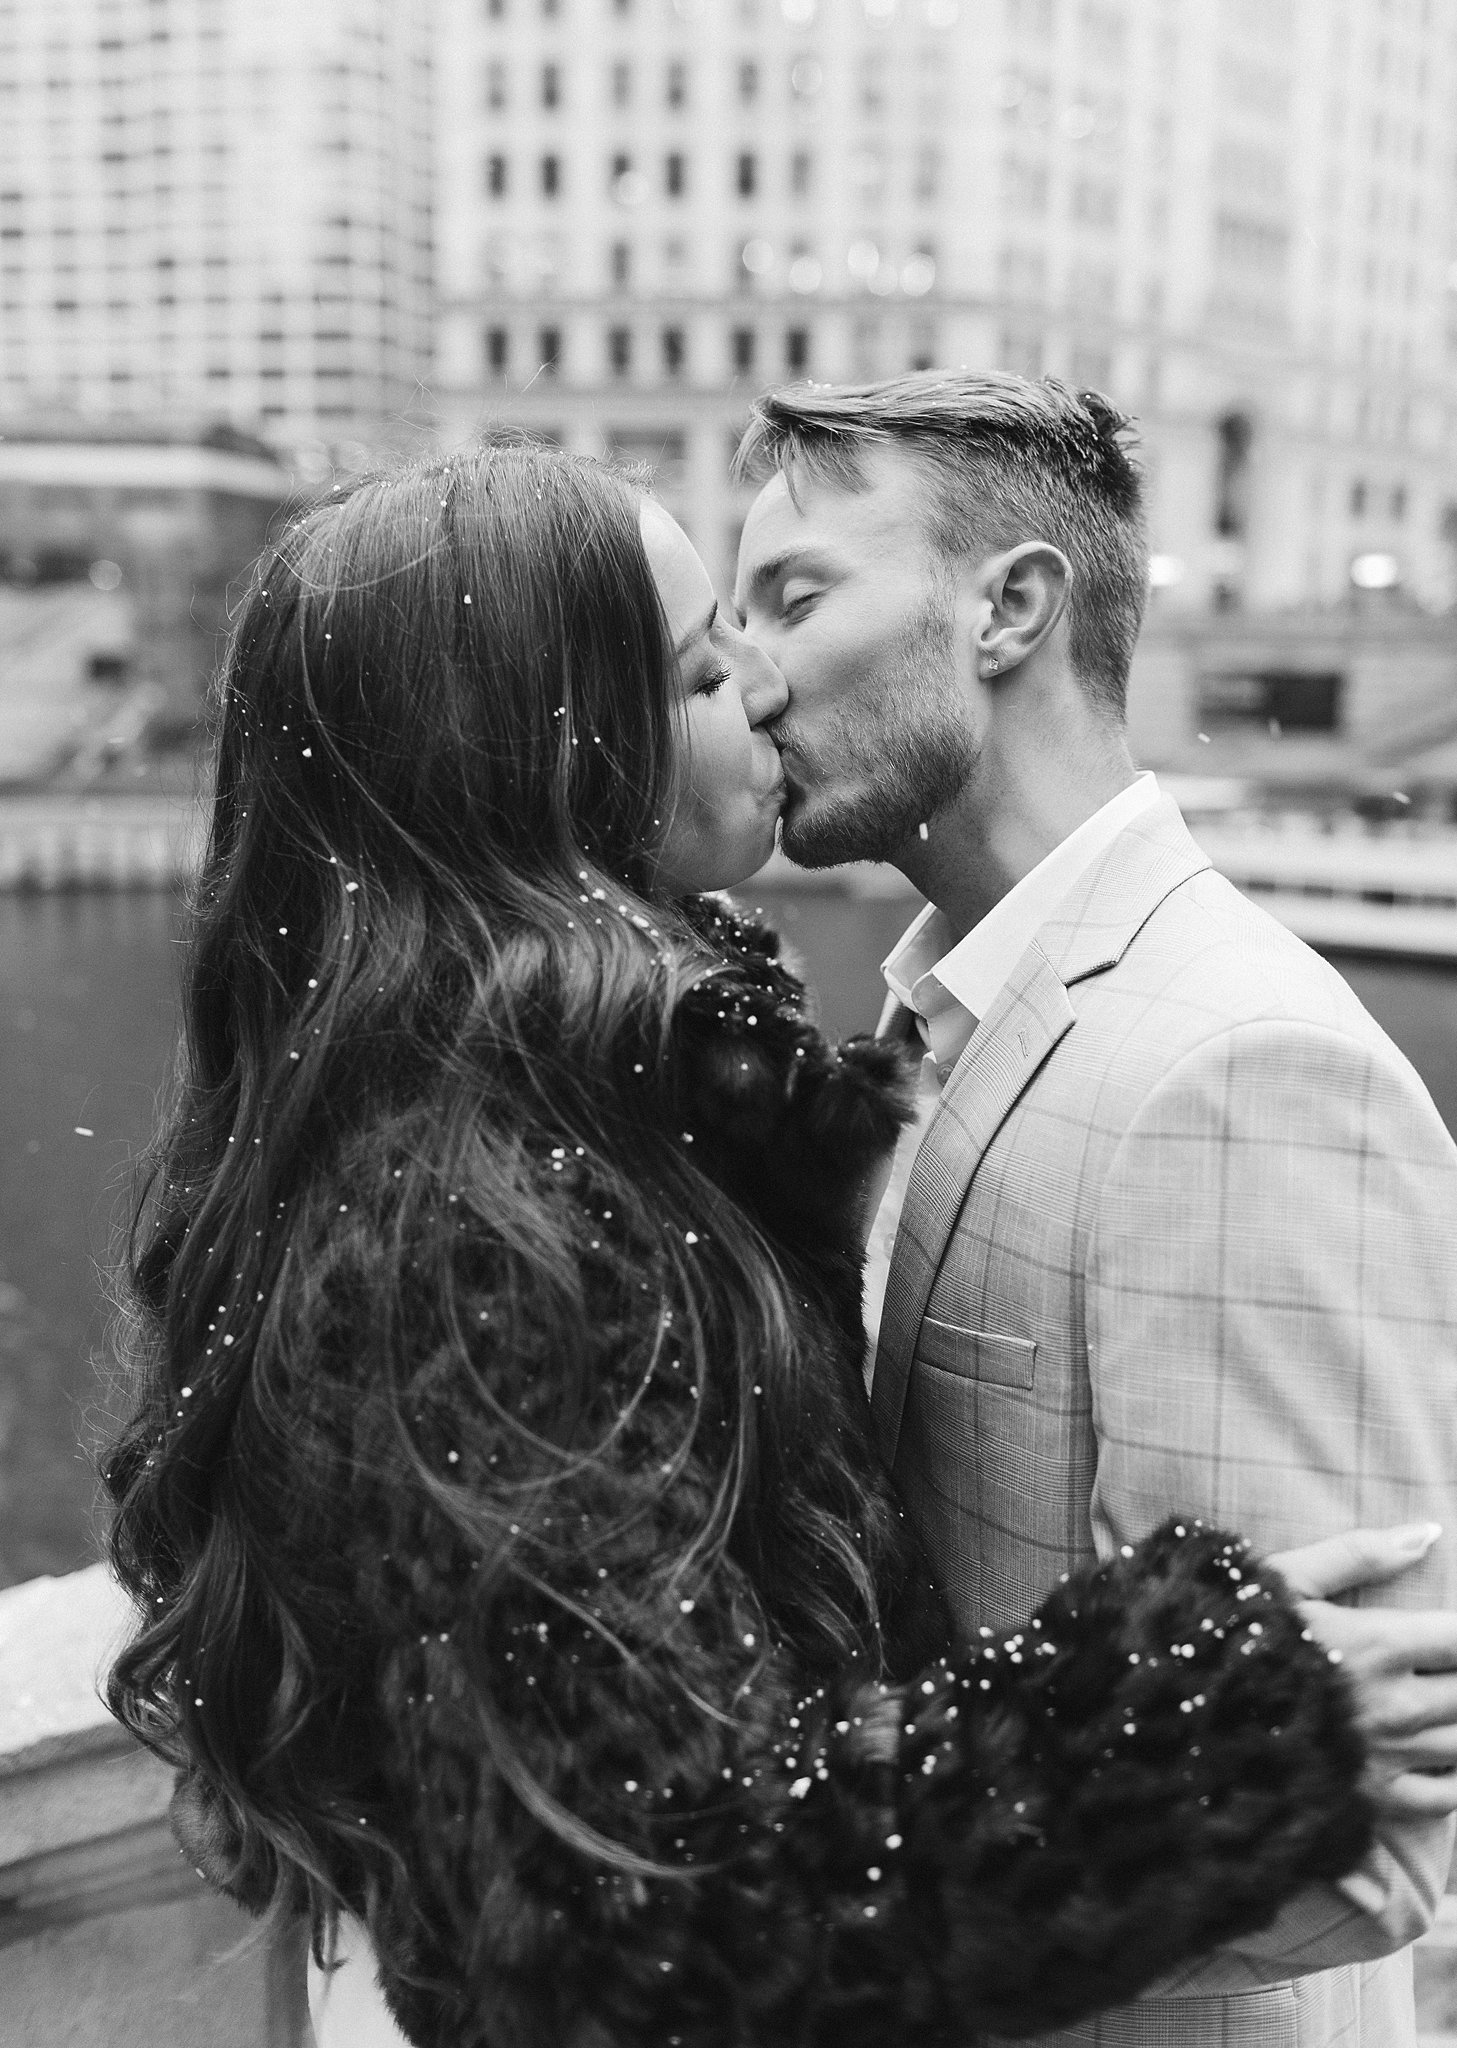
<point x="1402" y="1663"/>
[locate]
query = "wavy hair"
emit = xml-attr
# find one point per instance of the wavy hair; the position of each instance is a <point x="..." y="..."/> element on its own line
<point x="415" y="1233"/>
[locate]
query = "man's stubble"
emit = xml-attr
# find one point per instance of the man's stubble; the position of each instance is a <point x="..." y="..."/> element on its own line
<point x="897" y="760"/>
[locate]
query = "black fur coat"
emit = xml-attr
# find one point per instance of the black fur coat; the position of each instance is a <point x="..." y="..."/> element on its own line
<point x="906" y="1851"/>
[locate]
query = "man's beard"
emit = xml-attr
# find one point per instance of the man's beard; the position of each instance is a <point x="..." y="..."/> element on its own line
<point x="906" y="757"/>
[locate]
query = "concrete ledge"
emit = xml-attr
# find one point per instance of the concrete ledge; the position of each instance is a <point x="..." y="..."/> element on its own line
<point x="107" y="1937"/>
<point x="56" y="1636"/>
<point x="83" y="1810"/>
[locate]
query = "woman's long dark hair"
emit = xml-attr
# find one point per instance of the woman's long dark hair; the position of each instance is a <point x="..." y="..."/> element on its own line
<point x="429" y="988"/>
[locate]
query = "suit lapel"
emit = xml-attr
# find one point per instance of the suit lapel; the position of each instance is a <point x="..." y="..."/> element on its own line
<point x="1090" y="932"/>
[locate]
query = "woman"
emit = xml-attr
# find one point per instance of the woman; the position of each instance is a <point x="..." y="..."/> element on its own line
<point x="516" y="1574"/>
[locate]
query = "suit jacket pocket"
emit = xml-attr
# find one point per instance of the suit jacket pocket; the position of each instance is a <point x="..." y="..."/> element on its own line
<point x="976" y="1354"/>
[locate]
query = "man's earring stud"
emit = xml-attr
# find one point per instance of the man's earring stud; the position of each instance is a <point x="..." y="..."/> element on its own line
<point x="994" y="662"/>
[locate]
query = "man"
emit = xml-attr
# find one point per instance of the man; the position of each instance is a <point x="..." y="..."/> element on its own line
<point x="1179" y="1227"/>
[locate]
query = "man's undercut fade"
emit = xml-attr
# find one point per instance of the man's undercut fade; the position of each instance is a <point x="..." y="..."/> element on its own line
<point x="1014" y="460"/>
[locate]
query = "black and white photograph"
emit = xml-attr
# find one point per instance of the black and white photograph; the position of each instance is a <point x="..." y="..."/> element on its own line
<point x="728" y="1023"/>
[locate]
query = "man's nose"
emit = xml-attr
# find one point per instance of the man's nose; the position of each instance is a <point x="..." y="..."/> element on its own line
<point x="765" y="691"/>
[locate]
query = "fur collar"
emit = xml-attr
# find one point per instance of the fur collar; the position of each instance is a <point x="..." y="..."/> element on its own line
<point x="788" y="1124"/>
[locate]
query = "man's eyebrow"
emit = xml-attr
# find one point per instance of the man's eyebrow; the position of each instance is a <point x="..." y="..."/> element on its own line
<point x="697" y="632"/>
<point x="770" y="571"/>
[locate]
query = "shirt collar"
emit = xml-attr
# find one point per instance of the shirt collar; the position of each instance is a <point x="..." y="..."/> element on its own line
<point x="950" y="985"/>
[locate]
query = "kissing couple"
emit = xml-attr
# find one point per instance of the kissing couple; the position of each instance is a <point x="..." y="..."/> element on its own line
<point x="528" y="1594"/>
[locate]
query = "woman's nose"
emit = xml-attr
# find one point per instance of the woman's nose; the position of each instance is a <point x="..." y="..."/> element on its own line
<point x="765" y="691"/>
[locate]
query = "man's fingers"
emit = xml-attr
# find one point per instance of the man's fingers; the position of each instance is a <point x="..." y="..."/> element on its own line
<point x="1400" y="1713"/>
<point x="1358" y="1557"/>
<point x="1415" y="1796"/>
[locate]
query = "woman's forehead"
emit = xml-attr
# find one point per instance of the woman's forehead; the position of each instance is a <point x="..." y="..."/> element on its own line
<point x="683" y="583"/>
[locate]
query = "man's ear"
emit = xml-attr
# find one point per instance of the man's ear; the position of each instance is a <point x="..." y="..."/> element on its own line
<point x="1025" y="592"/>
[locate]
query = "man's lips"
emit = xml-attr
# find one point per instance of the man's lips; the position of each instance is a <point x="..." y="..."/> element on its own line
<point x="788" y="750"/>
<point x="774" y="786"/>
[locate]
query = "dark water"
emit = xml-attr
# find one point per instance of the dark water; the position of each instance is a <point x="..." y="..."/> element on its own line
<point x="87" y="1016"/>
<point x="86" y="1026"/>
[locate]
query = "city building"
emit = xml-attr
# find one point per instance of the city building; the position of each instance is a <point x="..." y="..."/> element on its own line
<point x="1236" y="219"/>
<point x="122" y="548"/>
<point x="613" y="221"/>
<point x="219" y="210"/>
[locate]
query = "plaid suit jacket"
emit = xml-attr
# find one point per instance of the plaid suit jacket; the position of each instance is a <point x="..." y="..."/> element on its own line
<point x="1182" y="1233"/>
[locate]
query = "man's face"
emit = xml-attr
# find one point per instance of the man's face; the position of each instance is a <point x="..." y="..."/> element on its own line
<point x="845" y="593"/>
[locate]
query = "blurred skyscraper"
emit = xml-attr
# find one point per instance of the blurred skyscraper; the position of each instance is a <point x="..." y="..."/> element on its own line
<point x="1233" y="215"/>
<point x="218" y="210"/>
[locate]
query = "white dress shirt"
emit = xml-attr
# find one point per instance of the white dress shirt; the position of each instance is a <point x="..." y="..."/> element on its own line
<point x="950" y="985"/>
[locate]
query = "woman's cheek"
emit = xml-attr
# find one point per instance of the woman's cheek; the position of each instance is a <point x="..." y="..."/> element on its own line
<point x="716" y="770"/>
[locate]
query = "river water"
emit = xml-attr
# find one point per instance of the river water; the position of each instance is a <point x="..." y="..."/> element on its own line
<point x="87" y="1019"/>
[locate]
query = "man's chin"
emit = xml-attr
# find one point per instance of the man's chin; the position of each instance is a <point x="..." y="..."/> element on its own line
<point x="833" y="835"/>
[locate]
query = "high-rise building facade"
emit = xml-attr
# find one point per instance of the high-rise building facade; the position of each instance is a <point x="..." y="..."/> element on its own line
<point x="1235" y="217"/>
<point x="218" y="210"/>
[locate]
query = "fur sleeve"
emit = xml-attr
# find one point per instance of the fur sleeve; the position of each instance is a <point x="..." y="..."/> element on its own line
<point x="1027" y="1832"/>
<point x="1024" y="1834"/>
<point x="1039" y="1828"/>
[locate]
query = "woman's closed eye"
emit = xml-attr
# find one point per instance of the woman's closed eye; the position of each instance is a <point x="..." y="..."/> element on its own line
<point x="711" y="682"/>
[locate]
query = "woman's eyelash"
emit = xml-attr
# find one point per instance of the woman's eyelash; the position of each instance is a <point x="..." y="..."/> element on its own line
<point x="711" y="683"/>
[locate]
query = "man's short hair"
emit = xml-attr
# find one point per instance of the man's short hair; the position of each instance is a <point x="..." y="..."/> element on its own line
<point x="1014" y="459"/>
